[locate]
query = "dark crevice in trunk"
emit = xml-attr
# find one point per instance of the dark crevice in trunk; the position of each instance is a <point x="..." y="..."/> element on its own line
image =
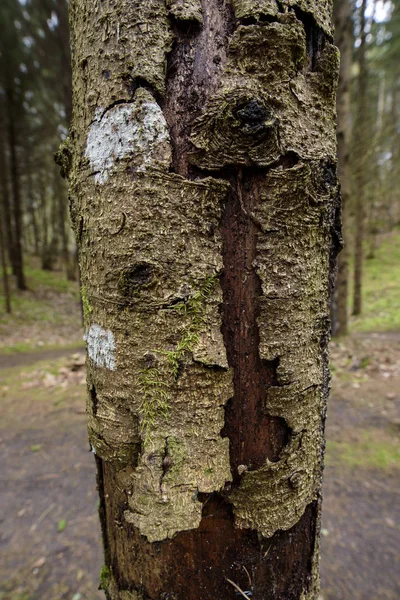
<point x="113" y="105"/>
<point x="315" y="36"/>
<point x="94" y="399"/>
<point x="259" y="19"/>
<point x="100" y="480"/>
<point x="184" y="27"/>
<point x="134" y="83"/>
<point x="254" y="434"/>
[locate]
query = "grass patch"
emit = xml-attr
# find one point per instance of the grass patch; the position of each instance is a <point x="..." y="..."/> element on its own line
<point x="369" y="452"/>
<point x="37" y="303"/>
<point x="381" y="289"/>
<point x="45" y="316"/>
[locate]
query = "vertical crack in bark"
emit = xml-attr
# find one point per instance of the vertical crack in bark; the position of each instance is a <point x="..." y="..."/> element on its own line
<point x="102" y="509"/>
<point x="254" y="435"/>
<point x="315" y="36"/>
<point x="200" y="53"/>
<point x="94" y="400"/>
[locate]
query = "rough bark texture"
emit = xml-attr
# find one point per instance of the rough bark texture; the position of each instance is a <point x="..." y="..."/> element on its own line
<point x="344" y="39"/>
<point x="205" y="205"/>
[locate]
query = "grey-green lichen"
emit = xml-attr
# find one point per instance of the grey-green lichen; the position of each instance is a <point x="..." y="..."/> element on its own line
<point x="186" y="10"/>
<point x="320" y="10"/>
<point x="135" y="132"/>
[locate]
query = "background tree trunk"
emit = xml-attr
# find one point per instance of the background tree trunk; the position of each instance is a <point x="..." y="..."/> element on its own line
<point x="360" y="196"/>
<point x="6" y="287"/>
<point x="17" y="259"/>
<point x="8" y="229"/>
<point x="205" y="206"/>
<point x="344" y="39"/>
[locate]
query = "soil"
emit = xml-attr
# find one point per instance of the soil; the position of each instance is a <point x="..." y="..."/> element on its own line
<point x="50" y="545"/>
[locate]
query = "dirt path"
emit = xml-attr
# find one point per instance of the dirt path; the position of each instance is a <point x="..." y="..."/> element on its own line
<point x="361" y="512"/>
<point x="49" y="534"/>
<point x="25" y="359"/>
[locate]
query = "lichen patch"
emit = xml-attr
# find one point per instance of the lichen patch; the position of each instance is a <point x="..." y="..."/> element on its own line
<point x="101" y="346"/>
<point x="136" y="131"/>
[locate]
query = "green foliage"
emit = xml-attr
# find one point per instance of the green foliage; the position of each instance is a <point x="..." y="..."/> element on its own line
<point x="381" y="289"/>
<point x="154" y="382"/>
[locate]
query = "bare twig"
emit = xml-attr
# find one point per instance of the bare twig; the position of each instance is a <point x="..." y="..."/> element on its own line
<point x="237" y="588"/>
<point x="248" y="575"/>
<point x="42" y="516"/>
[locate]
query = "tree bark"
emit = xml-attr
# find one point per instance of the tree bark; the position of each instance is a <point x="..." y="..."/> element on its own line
<point x="361" y="132"/>
<point x="205" y="205"/>
<point x="342" y="16"/>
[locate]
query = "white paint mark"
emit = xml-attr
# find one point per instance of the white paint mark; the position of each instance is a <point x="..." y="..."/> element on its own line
<point x="137" y="130"/>
<point x="101" y="346"/>
<point x="93" y="450"/>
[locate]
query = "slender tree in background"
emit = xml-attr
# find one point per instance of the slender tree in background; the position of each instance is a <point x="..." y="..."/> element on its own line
<point x="35" y="112"/>
<point x="361" y="134"/>
<point x="6" y="287"/>
<point x="4" y="243"/>
<point x="344" y="39"/>
<point x="11" y="96"/>
<point x="205" y="206"/>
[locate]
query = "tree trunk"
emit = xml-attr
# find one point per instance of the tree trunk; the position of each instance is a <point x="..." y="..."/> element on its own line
<point x="17" y="260"/>
<point x="361" y="132"/>
<point x="205" y="206"/>
<point x="30" y="201"/>
<point x="3" y="227"/>
<point x="344" y="39"/>
<point x="6" y="287"/>
<point x="8" y="228"/>
<point x="60" y="196"/>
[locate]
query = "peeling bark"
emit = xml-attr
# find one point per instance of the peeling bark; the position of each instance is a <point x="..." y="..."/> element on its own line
<point x="204" y="201"/>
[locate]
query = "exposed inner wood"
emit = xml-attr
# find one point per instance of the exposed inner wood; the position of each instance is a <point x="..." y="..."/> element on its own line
<point x="275" y="568"/>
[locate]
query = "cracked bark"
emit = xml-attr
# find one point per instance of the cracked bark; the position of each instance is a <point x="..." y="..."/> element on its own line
<point x="204" y="199"/>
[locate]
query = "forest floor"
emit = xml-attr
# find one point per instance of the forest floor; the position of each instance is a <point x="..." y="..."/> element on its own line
<point x="50" y="545"/>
